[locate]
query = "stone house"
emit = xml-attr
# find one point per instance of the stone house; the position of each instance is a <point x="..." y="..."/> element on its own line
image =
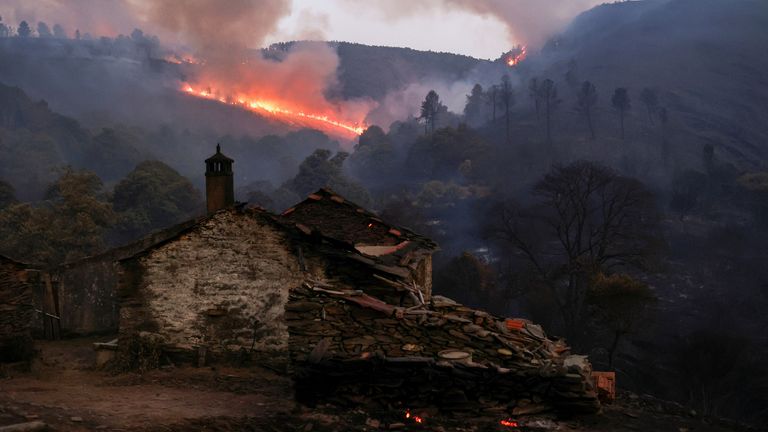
<point x="345" y="298"/>
<point x="16" y="311"/>
<point x="219" y="285"/>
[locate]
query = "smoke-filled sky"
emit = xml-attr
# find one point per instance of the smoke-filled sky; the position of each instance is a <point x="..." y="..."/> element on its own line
<point x="480" y="28"/>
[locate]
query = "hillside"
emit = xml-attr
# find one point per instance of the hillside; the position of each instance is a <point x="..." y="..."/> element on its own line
<point x="707" y="59"/>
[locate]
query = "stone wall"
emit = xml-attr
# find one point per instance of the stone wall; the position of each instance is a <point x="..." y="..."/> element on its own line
<point x="349" y="347"/>
<point x="16" y="312"/>
<point x="222" y="285"/>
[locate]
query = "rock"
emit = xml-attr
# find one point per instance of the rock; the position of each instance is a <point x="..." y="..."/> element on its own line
<point x="76" y="419"/>
<point x="530" y="409"/>
<point x="373" y="423"/>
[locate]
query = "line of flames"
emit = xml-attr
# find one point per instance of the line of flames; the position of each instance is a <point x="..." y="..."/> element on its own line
<point x="274" y="109"/>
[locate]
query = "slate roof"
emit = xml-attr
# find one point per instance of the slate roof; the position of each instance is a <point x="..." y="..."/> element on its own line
<point x="373" y="240"/>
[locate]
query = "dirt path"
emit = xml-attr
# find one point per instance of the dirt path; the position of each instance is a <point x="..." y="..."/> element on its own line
<point x="62" y="386"/>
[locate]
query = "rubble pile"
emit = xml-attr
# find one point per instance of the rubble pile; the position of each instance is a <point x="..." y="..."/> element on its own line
<point x="349" y="347"/>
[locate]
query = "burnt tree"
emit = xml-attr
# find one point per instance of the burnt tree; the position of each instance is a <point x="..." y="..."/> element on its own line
<point x="588" y="219"/>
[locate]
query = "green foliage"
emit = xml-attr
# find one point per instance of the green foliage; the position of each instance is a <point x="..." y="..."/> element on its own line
<point x="441" y="155"/>
<point x="321" y="170"/>
<point x="476" y="109"/>
<point x="153" y="196"/>
<point x="467" y="279"/>
<point x="375" y="158"/>
<point x="430" y="108"/>
<point x="618" y="305"/>
<point x="69" y="224"/>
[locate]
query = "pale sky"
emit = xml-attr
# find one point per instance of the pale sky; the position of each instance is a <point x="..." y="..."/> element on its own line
<point x="437" y="30"/>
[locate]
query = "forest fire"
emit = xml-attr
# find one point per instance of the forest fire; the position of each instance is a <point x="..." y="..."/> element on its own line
<point x="276" y="109"/>
<point x="516" y="56"/>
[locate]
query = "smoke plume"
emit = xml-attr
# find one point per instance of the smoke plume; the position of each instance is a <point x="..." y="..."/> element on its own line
<point x="530" y="22"/>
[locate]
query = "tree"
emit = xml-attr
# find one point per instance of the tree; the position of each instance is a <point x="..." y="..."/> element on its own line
<point x="474" y="110"/>
<point x="507" y="100"/>
<point x="5" y="31"/>
<point x="24" y="30"/>
<point x="588" y="219"/>
<point x="534" y="91"/>
<point x="708" y="158"/>
<point x="493" y="92"/>
<point x="153" y="196"/>
<point x="651" y="101"/>
<point x="372" y="136"/>
<point x="7" y="195"/>
<point x="321" y="170"/>
<point x="572" y="75"/>
<point x="469" y="280"/>
<point x="429" y="110"/>
<point x="70" y="223"/>
<point x="549" y="96"/>
<point x="59" y="32"/>
<point x="586" y="101"/>
<point x="664" y="121"/>
<point x="43" y="30"/>
<point x="618" y="305"/>
<point x="622" y="103"/>
<point x="375" y="158"/>
<point x="687" y="189"/>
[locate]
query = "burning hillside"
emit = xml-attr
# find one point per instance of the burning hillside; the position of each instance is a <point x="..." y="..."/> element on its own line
<point x="325" y="122"/>
<point x="515" y="56"/>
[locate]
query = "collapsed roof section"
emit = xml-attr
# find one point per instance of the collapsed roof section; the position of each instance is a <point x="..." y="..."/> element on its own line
<point x="374" y="241"/>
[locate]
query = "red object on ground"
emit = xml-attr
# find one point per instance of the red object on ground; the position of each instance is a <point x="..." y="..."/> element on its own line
<point x="605" y="383"/>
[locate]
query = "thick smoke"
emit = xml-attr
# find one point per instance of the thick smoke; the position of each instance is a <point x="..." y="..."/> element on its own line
<point x="211" y="25"/>
<point x="101" y="18"/>
<point x="530" y="22"/>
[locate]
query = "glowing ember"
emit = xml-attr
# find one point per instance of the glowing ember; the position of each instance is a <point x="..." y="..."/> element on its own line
<point x="509" y="423"/>
<point x="516" y="56"/>
<point x="415" y="418"/>
<point x="274" y="109"/>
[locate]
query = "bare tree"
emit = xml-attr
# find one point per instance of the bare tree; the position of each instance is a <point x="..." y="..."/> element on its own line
<point x="588" y="219"/>
<point x="587" y="99"/>
<point x="651" y="101"/>
<point x="507" y="100"/>
<point x="622" y="104"/>
<point x="492" y="92"/>
<point x="549" y="96"/>
<point x="534" y="91"/>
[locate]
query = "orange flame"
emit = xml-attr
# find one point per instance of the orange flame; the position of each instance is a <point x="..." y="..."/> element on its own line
<point x="182" y="59"/>
<point x="509" y="423"/>
<point x="275" y="109"/>
<point x="515" y="59"/>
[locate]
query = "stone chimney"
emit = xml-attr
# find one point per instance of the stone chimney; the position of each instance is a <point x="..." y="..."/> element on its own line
<point x="219" y="183"/>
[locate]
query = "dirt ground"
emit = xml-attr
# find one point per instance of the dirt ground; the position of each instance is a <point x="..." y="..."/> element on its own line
<point x="65" y="391"/>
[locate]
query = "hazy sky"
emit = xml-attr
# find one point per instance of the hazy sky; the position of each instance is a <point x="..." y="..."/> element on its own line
<point x="451" y="30"/>
<point x="480" y="28"/>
